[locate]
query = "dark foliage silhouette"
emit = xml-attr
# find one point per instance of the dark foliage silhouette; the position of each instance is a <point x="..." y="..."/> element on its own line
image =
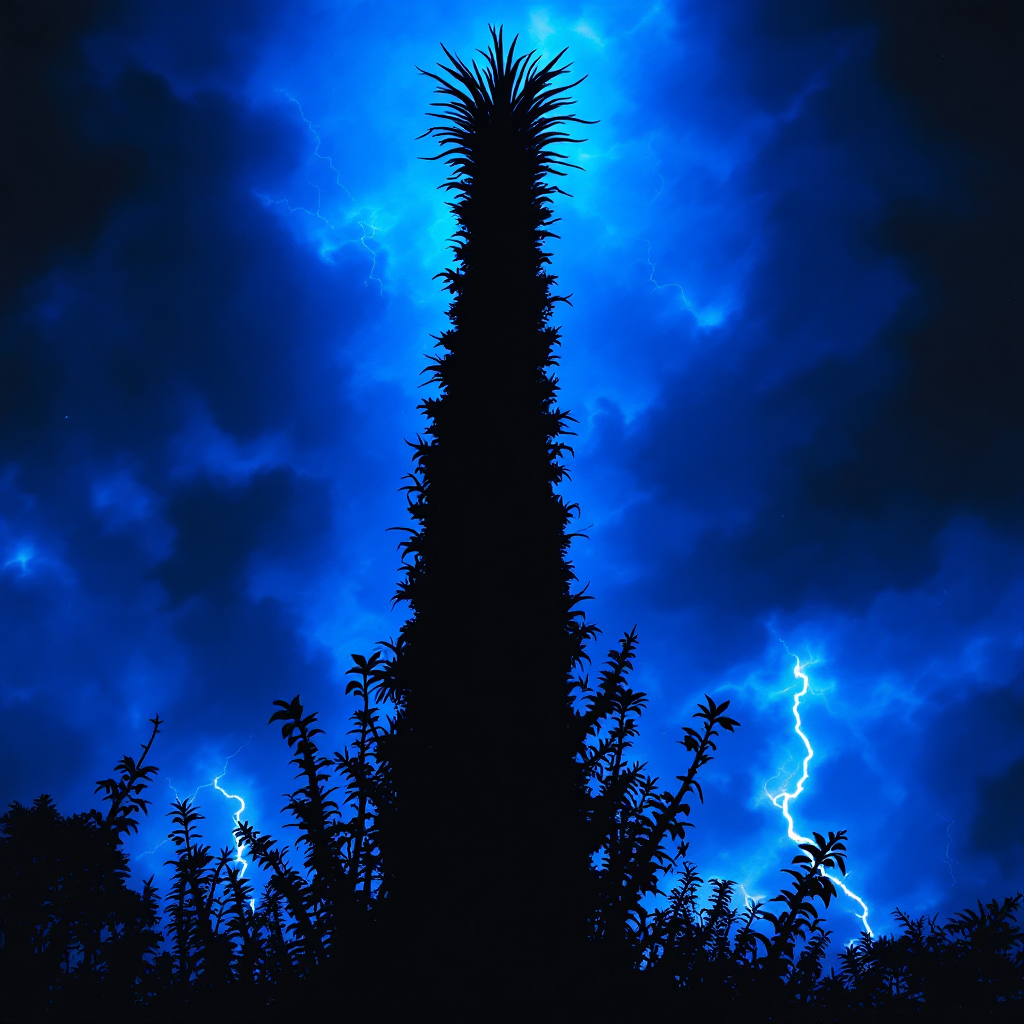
<point x="79" y="944"/>
<point x="73" y="932"/>
<point x="484" y="848"/>
<point x="483" y="751"/>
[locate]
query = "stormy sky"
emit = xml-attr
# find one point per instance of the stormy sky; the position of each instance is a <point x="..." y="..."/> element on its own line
<point x="794" y="354"/>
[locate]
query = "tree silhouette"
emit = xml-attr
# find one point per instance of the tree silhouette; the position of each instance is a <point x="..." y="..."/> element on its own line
<point x="487" y="796"/>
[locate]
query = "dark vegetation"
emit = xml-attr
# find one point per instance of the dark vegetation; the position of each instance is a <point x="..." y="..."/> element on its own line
<point x="484" y="848"/>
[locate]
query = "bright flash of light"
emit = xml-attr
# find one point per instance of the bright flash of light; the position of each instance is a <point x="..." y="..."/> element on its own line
<point x="748" y="900"/>
<point x="782" y="800"/>
<point x="236" y="815"/>
<point x="239" y="845"/>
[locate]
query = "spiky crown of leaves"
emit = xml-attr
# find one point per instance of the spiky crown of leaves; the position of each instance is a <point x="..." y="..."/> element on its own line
<point x="515" y="92"/>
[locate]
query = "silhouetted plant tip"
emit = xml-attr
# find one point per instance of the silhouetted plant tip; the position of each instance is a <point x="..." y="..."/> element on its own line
<point x="124" y="791"/>
<point x="485" y="846"/>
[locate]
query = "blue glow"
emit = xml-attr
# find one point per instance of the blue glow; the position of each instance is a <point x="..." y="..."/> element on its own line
<point x="21" y="558"/>
<point x="781" y="417"/>
<point x="708" y="316"/>
<point x="326" y="245"/>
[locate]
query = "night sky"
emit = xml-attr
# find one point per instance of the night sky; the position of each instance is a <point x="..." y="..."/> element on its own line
<point x="794" y="352"/>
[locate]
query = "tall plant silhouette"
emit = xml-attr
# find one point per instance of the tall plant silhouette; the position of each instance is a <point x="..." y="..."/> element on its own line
<point x="483" y="753"/>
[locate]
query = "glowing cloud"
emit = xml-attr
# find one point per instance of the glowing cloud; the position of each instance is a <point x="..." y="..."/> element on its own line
<point x="21" y="558"/>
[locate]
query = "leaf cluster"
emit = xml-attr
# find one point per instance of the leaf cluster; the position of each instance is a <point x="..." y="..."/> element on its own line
<point x="636" y="828"/>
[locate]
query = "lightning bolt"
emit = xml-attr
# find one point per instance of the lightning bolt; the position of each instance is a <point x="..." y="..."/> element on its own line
<point x="270" y="201"/>
<point x="782" y="800"/>
<point x="364" y="237"/>
<point x="748" y="900"/>
<point x="239" y="845"/>
<point x="661" y="287"/>
<point x="147" y="853"/>
<point x="661" y="184"/>
<point x="316" y="152"/>
<point x="950" y="861"/>
<point x="236" y="815"/>
<point x="177" y="796"/>
<point x="709" y="318"/>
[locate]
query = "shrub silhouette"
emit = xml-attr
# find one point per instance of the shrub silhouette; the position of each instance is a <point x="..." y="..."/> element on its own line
<point x="79" y="944"/>
<point x="484" y="848"/>
<point x="73" y="932"/>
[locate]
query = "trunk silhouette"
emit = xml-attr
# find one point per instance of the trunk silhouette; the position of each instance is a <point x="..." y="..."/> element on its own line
<point x="485" y="840"/>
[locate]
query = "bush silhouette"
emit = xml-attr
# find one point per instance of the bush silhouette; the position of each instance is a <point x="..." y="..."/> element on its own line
<point x="73" y="932"/>
<point x="484" y="848"/>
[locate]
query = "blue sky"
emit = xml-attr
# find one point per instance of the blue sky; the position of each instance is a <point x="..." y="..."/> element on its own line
<point x="793" y="354"/>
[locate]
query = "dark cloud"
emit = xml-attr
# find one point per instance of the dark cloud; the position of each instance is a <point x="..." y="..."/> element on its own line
<point x="837" y="465"/>
<point x="794" y="351"/>
<point x="217" y="530"/>
<point x="993" y="831"/>
<point x="824" y="454"/>
<point x="58" y="180"/>
<point x="177" y="410"/>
